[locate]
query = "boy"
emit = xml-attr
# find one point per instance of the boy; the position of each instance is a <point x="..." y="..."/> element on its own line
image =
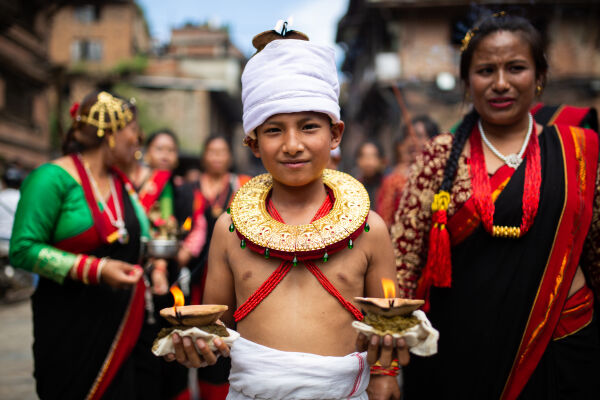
<point x="297" y="247"/>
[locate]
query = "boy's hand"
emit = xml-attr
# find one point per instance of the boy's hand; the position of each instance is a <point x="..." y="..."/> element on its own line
<point x="384" y="350"/>
<point x="187" y="355"/>
<point x="383" y="387"/>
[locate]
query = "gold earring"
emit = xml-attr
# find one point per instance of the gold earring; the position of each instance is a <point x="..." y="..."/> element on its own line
<point x="138" y="155"/>
<point x="538" y="90"/>
<point x="111" y="141"/>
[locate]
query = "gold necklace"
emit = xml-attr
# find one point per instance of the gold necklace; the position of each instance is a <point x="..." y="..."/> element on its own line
<point x="253" y="222"/>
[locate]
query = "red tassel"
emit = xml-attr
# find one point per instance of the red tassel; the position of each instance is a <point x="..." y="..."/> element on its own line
<point x="442" y="261"/>
<point x="438" y="270"/>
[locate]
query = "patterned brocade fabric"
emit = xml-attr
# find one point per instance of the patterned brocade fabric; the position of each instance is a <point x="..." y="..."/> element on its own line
<point x="412" y="222"/>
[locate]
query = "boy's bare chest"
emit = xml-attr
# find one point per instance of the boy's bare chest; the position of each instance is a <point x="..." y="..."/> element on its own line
<point x="345" y="270"/>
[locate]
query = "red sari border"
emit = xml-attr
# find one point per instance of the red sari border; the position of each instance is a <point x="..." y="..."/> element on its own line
<point x="580" y="155"/>
<point x="153" y="187"/>
<point x="123" y="344"/>
<point x="577" y="313"/>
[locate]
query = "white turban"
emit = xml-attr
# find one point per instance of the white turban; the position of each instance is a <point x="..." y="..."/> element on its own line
<point x="289" y="76"/>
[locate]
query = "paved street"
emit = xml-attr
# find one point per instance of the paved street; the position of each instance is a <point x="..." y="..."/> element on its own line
<point x="16" y="362"/>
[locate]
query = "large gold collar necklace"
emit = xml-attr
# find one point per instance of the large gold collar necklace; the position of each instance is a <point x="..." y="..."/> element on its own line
<point x="258" y="230"/>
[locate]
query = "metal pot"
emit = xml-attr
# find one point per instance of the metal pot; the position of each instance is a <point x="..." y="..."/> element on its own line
<point x="162" y="248"/>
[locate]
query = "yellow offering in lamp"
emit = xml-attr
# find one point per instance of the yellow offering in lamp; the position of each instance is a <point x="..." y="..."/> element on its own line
<point x="399" y="318"/>
<point x="195" y="321"/>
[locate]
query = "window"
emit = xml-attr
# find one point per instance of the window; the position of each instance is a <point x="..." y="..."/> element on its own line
<point x="18" y="97"/>
<point x="86" y="50"/>
<point x="87" y="14"/>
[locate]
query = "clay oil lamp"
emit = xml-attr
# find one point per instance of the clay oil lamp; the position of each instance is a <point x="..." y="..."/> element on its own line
<point x="399" y="318"/>
<point x="195" y="321"/>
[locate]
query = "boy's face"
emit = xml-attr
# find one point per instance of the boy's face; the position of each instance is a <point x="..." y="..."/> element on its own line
<point x="295" y="147"/>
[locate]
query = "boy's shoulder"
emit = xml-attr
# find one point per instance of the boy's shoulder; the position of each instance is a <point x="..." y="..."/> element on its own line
<point x="377" y="232"/>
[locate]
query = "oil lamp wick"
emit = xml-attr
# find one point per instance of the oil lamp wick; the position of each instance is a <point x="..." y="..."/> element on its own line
<point x="178" y="315"/>
<point x="391" y="301"/>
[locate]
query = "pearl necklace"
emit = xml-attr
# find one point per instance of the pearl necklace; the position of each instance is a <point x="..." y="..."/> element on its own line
<point x="512" y="160"/>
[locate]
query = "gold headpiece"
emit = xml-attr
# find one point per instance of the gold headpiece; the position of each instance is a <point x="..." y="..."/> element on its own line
<point x="469" y="35"/>
<point x="108" y="112"/>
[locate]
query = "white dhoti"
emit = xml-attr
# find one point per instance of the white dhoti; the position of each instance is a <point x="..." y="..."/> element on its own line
<point x="259" y="372"/>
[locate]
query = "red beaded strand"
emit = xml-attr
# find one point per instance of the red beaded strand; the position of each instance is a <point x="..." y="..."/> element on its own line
<point x="482" y="189"/>
<point x="275" y="278"/>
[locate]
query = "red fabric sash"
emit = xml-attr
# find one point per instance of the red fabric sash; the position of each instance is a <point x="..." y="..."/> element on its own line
<point x="576" y="314"/>
<point x="124" y="342"/>
<point x="153" y="187"/>
<point x="565" y="114"/>
<point x="107" y="233"/>
<point x="277" y="276"/>
<point x="467" y="219"/>
<point x="580" y="150"/>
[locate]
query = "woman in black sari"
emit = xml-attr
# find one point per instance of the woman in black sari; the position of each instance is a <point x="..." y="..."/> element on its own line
<point x="79" y="226"/>
<point x="495" y="232"/>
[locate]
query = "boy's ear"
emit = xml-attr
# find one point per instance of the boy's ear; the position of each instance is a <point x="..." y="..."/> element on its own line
<point x="337" y="131"/>
<point x="253" y="144"/>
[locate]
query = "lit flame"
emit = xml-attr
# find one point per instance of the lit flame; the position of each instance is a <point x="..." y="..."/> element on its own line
<point x="178" y="296"/>
<point x="389" y="288"/>
<point x="187" y="225"/>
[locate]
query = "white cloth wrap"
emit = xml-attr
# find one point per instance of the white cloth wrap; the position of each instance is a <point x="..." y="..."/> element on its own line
<point x="259" y="372"/>
<point x="289" y="76"/>
<point x="165" y="346"/>
<point x="421" y="339"/>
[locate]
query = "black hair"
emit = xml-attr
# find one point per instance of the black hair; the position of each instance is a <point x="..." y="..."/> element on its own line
<point x="165" y="131"/>
<point x="13" y="176"/>
<point x="212" y="138"/>
<point x="431" y="128"/>
<point x="489" y="25"/>
<point x="375" y="143"/>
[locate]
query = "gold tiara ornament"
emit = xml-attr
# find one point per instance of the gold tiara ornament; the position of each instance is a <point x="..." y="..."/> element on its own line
<point x="469" y="35"/>
<point x="108" y="112"/>
<point x="465" y="42"/>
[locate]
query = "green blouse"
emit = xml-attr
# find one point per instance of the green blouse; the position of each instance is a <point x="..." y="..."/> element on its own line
<point x="52" y="208"/>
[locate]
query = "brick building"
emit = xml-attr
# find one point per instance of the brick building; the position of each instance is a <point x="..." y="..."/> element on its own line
<point x="415" y="45"/>
<point x="194" y="84"/>
<point x="97" y="36"/>
<point x="25" y="78"/>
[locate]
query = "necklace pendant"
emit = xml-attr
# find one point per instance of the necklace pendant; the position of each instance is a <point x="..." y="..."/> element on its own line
<point x="123" y="235"/>
<point x="513" y="161"/>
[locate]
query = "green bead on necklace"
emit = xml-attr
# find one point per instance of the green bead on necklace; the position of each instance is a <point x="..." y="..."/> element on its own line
<point x="367" y="227"/>
<point x="228" y="210"/>
<point x="267" y="253"/>
<point x="243" y="244"/>
<point x="350" y="244"/>
<point x="231" y="227"/>
<point x="295" y="261"/>
<point x="325" y="257"/>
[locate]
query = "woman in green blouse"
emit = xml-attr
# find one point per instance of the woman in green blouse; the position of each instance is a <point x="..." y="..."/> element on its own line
<point x="79" y="226"/>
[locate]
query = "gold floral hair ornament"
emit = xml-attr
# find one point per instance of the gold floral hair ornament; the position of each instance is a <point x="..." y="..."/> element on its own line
<point x="469" y="35"/>
<point x="108" y="112"/>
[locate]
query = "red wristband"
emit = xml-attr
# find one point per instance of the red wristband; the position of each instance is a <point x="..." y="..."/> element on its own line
<point x="92" y="273"/>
